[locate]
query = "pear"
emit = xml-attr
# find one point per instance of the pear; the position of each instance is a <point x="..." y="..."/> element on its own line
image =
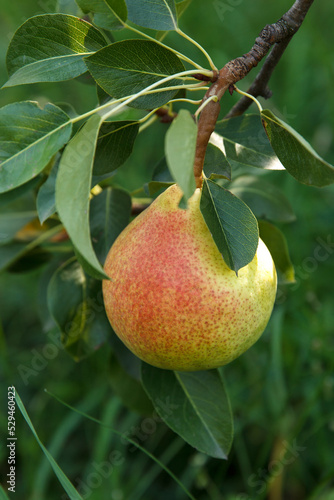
<point x="172" y="299"/>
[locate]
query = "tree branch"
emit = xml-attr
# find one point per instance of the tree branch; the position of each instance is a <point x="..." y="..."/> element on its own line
<point x="294" y="17"/>
<point x="278" y="34"/>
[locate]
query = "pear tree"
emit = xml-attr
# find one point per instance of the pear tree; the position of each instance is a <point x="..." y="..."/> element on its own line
<point x="185" y="264"/>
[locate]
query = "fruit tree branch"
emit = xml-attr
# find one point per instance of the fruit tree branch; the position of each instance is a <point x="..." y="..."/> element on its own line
<point x="278" y="34"/>
<point x="260" y="85"/>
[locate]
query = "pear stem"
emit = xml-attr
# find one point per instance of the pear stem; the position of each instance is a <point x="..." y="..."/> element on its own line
<point x="208" y="119"/>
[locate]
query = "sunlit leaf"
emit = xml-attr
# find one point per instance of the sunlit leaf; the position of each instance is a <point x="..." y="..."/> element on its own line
<point x="108" y="14"/>
<point x="297" y="155"/>
<point x="128" y="67"/>
<point x="244" y="143"/>
<point x="154" y="14"/>
<point x="51" y="48"/>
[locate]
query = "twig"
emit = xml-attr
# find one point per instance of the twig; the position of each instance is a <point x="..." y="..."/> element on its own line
<point x="281" y="33"/>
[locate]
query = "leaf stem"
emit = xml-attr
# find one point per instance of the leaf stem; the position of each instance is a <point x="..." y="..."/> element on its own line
<point x="184" y="99"/>
<point x="147" y="121"/>
<point x="124" y="101"/>
<point x="205" y="103"/>
<point x="250" y="96"/>
<point x="176" y="52"/>
<point x="187" y="37"/>
<point x="153" y="86"/>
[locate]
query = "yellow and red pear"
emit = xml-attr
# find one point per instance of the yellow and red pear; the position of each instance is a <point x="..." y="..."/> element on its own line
<point x="172" y="299"/>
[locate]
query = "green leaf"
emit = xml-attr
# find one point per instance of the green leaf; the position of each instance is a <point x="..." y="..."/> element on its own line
<point x="264" y="199"/>
<point x="29" y="137"/>
<point x="161" y="172"/>
<point x="154" y="187"/>
<point x="180" y="146"/>
<point x="278" y="247"/>
<point x="244" y="142"/>
<point x="161" y="178"/>
<point x="46" y="197"/>
<point x="297" y="155"/>
<point x="128" y="67"/>
<point x="108" y="14"/>
<point x="51" y="48"/>
<point x="76" y="303"/>
<point x="114" y="146"/>
<point x="216" y="165"/>
<point x="64" y="481"/>
<point x="195" y="405"/>
<point x="154" y="14"/>
<point x="109" y="214"/>
<point x="73" y="190"/>
<point x="180" y="9"/>
<point x="231" y="223"/>
<point x="128" y="389"/>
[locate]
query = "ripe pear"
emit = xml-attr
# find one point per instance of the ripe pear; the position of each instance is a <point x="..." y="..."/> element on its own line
<point x="172" y="299"/>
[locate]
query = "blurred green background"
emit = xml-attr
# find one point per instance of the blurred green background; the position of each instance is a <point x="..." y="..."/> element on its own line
<point x="282" y="389"/>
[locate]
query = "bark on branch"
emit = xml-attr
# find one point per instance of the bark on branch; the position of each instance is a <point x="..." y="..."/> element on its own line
<point x="278" y="34"/>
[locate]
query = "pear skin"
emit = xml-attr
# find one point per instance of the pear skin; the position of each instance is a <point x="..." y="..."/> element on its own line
<point x="172" y="299"/>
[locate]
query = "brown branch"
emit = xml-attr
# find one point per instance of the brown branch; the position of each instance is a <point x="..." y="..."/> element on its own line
<point x="280" y="32"/>
<point x="294" y="17"/>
